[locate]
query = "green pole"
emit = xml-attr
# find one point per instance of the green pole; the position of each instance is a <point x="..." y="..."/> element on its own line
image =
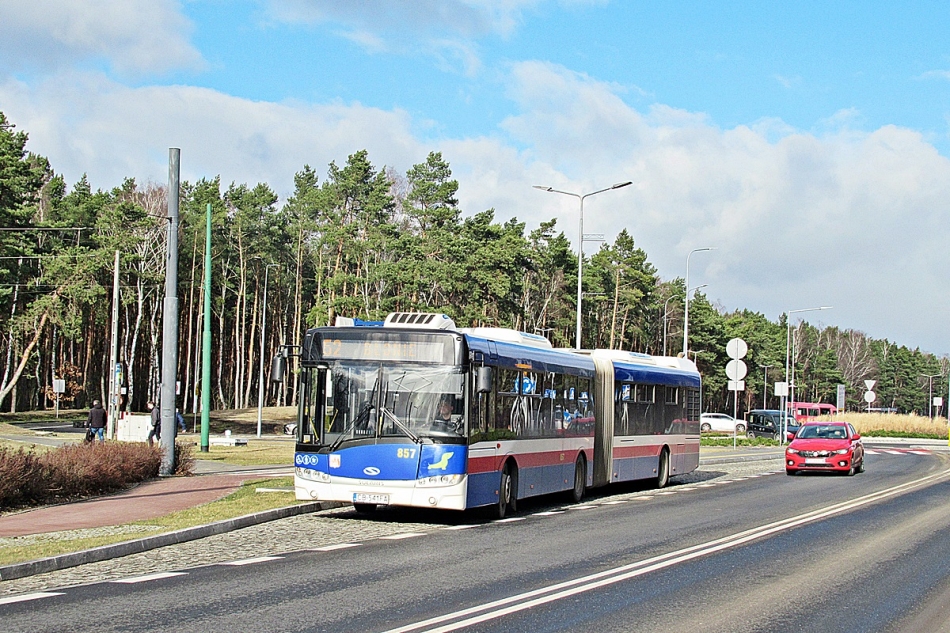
<point x="206" y="342"/>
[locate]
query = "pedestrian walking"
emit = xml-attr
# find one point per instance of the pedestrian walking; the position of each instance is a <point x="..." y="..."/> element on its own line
<point x="96" y="422"/>
<point x="156" y="417"/>
<point x="180" y="419"/>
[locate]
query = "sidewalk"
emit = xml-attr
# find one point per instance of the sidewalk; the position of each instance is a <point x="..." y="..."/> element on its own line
<point x="146" y="501"/>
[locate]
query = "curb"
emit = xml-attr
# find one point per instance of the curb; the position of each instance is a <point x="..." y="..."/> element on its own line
<point x="106" y="552"/>
<point x="712" y="461"/>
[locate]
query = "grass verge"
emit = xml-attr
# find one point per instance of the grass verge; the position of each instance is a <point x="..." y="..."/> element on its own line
<point x="256" y="453"/>
<point x="245" y="500"/>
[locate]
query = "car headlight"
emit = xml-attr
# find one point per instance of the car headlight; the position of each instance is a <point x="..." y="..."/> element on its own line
<point x="312" y="475"/>
<point x="791" y="451"/>
<point x="842" y="451"/>
<point x="439" y="480"/>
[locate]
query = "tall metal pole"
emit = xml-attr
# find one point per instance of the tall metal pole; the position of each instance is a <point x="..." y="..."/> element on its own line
<point x="580" y="272"/>
<point x="206" y="342"/>
<point x="580" y="245"/>
<point x="112" y="406"/>
<point x="788" y="383"/>
<point x="170" y="319"/>
<point x="260" y="386"/>
<point x="765" y="387"/>
<point x="930" y="403"/>
<point x="686" y="302"/>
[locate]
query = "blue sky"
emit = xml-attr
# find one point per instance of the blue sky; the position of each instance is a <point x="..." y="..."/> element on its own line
<point x="808" y="143"/>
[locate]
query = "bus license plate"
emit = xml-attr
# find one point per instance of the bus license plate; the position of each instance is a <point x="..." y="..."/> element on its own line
<point x="364" y="497"/>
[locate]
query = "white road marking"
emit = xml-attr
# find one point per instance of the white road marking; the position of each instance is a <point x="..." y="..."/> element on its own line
<point x="613" y="503"/>
<point x="582" y="507"/>
<point x="330" y="548"/>
<point x="149" y="577"/>
<point x="462" y="527"/>
<point x="29" y="596"/>
<point x="549" y="513"/>
<point x="509" y="520"/>
<point x="528" y="600"/>
<point x="251" y="561"/>
<point x="399" y="537"/>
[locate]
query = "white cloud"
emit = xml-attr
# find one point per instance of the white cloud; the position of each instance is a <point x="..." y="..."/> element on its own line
<point x="131" y="37"/>
<point x="466" y="18"/>
<point x="848" y="218"/>
<point x="853" y="219"/>
<point x="935" y="74"/>
<point x="88" y="123"/>
<point x="446" y="30"/>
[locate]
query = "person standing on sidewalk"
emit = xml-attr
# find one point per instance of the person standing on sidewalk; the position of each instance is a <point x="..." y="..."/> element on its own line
<point x="156" y="417"/>
<point x="97" y="420"/>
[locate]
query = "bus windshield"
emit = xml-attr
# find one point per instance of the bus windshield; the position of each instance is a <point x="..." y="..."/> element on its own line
<point x="376" y="400"/>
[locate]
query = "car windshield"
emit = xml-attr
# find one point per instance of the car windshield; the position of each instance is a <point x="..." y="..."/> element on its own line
<point x="823" y="431"/>
<point x="372" y="400"/>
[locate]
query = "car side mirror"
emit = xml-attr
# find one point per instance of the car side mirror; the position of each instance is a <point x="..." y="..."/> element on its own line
<point x="790" y="436"/>
<point x="855" y="437"/>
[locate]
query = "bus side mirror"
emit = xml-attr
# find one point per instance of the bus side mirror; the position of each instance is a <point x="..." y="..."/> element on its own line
<point x="278" y="368"/>
<point x="483" y="380"/>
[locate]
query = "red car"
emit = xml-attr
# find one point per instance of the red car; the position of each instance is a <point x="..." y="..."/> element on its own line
<point x="825" y="446"/>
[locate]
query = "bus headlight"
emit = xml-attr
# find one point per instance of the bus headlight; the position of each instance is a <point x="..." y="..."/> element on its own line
<point x="312" y="475"/>
<point x="439" y="480"/>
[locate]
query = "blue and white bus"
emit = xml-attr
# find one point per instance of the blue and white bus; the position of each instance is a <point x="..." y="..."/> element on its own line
<point x="420" y="413"/>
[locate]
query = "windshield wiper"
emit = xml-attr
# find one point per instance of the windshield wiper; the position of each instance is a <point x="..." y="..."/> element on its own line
<point x="402" y="427"/>
<point x="363" y="416"/>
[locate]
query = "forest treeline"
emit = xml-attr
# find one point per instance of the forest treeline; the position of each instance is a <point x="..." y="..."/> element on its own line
<point x="362" y="241"/>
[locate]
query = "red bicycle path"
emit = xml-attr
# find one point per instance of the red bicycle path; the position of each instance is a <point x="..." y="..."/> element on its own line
<point x="148" y="500"/>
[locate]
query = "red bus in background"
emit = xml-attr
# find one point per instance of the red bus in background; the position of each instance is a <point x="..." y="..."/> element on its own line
<point x="811" y="410"/>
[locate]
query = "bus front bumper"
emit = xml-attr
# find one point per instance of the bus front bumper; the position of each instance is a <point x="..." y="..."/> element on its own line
<point x="450" y="495"/>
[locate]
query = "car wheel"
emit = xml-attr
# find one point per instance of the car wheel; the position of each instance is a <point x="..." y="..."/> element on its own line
<point x="740" y="429"/>
<point x="861" y="467"/>
<point x="776" y="436"/>
<point x="750" y="435"/>
<point x="705" y="427"/>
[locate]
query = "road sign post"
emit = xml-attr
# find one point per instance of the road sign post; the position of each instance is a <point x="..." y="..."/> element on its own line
<point x="736" y="370"/>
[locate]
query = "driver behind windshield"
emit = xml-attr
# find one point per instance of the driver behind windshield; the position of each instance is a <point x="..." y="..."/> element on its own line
<point x="443" y="417"/>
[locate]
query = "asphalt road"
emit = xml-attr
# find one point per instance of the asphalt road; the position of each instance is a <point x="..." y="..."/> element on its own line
<point x="767" y="553"/>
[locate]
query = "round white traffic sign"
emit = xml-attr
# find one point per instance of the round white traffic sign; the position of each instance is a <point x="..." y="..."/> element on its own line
<point x="736" y="369"/>
<point x="736" y="348"/>
<point x="869" y="396"/>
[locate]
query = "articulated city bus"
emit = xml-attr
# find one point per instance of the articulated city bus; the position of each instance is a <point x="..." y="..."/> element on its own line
<point x="417" y="412"/>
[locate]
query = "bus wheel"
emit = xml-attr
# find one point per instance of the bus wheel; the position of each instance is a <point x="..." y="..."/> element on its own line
<point x="365" y="508"/>
<point x="663" y="469"/>
<point x="507" y="492"/>
<point x="580" y="479"/>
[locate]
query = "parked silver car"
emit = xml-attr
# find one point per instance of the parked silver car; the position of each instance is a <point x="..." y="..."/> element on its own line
<point x="720" y="422"/>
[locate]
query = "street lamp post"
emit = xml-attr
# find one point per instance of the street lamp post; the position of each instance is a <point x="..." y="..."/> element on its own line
<point x="580" y="243"/>
<point x="665" y="304"/>
<point x="930" y="401"/>
<point x="686" y="301"/>
<point x="788" y="384"/>
<point x="260" y="386"/>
